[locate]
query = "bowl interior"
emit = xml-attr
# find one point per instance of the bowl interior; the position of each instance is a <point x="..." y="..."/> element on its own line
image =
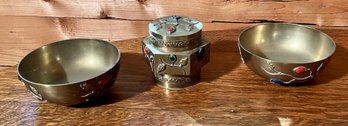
<point x="288" y="43"/>
<point x="68" y="61"/>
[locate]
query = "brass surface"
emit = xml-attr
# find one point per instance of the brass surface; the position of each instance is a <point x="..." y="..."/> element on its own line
<point x="176" y="56"/>
<point x="70" y="71"/>
<point x="181" y="73"/>
<point x="185" y="33"/>
<point x="285" y="53"/>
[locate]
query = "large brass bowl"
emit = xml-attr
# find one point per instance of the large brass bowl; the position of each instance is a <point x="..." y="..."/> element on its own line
<point x="285" y="53"/>
<point x="71" y="71"/>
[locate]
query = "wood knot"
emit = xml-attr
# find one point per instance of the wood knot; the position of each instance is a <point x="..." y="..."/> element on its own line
<point x="142" y="1"/>
<point x="103" y="15"/>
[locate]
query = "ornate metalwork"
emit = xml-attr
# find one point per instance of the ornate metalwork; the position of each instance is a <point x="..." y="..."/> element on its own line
<point x="175" y="33"/>
<point x="175" y="51"/>
<point x="172" y="59"/>
<point x="298" y="69"/>
<point x="35" y="93"/>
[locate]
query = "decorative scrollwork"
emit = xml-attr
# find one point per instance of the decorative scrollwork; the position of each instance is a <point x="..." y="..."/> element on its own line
<point x="173" y="21"/>
<point x="174" y="79"/>
<point x="161" y="67"/>
<point x="87" y="88"/>
<point x="173" y="59"/>
<point x="183" y="62"/>
<point x="299" y="69"/>
<point x="35" y="93"/>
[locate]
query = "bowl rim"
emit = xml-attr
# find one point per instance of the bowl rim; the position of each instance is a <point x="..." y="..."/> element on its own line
<point x="292" y="24"/>
<point x="21" y="78"/>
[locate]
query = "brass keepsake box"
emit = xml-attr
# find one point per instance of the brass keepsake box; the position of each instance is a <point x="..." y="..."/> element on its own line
<point x="176" y="51"/>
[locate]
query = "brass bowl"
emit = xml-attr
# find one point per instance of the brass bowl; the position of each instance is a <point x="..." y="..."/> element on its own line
<point x="70" y="72"/>
<point x="285" y="53"/>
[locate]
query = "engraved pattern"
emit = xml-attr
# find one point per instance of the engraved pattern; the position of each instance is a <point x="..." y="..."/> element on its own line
<point x="183" y="62"/>
<point x="163" y="65"/>
<point x="174" y="44"/>
<point x="173" y="21"/>
<point x="151" y="62"/>
<point x="149" y="57"/>
<point x="84" y="86"/>
<point x="174" y="79"/>
<point x="164" y="68"/>
<point x="159" y="26"/>
<point x="88" y="94"/>
<point x="171" y="25"/>
<point x="153" y="40"/>
<point x="318" y="69"/>
<point x="189" y="27"/>
<point x="178" y="43"/>
<point x="240" y="53"/>
<point x="274" y="72"/>
<point x="172" y="64"/>
<point x="35" y="93"/>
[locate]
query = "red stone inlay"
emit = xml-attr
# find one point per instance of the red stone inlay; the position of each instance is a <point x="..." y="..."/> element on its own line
<point x="171" y="29"/>
<point x="146" y="50"/>
<point x="104" y="82"/>
<point x="300" y="69"/>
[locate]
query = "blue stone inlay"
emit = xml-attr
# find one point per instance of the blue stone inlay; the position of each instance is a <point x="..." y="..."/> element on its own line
<point x="172" y="58"/>
<point x="276" y="80"/>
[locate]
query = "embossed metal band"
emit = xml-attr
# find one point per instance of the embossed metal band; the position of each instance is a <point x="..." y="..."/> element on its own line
<point x="176" y="49"/>
<point x="175" y="43"/>
<point x="175" y="82"/>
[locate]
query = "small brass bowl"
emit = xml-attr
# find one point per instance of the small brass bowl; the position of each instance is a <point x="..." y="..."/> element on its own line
<point x="285" y="53"/>
<point x="70" y="72"/>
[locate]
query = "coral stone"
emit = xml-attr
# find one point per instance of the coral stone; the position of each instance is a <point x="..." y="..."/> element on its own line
<point x="103" y="82"/>
<point x="300" y="69"/>
<point x="171" y="29"/>
<point x="146" y="50"/>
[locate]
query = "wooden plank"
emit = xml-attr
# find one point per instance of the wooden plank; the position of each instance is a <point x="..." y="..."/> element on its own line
<point x="20" y="35"/>
<point x="229" y="94"/>
<point x="321" y="12"/>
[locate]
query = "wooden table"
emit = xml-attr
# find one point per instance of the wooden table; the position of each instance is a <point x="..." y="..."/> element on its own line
<point x="229" y="93"/>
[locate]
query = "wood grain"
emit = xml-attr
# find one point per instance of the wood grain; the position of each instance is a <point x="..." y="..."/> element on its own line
<point x="20" y="35"/>
<point x="321" y="12"/>
<point x="228" y="94"/>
